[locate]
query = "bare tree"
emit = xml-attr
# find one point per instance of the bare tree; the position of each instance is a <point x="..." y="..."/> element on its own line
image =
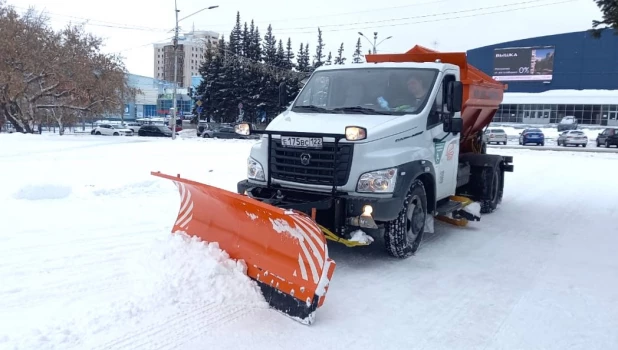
<point x="61" y="74"/>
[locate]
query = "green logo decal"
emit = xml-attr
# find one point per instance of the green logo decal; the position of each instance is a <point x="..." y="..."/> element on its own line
<point x="439" y="148"/>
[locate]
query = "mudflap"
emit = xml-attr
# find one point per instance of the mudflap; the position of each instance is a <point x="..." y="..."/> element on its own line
<point x="284" y="250"/>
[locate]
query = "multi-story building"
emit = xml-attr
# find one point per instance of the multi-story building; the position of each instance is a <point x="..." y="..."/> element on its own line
<point x="191" y="50"/>
<point x="554" y="76"/>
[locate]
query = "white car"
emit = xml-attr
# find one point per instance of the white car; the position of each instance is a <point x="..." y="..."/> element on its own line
<point x="495" y="136"/>
<point x="133" y="126"/>
<point x="112" y="130"/>
<point x="572" y="137"/>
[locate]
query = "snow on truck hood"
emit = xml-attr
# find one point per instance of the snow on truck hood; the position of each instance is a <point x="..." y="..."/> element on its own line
<point x="326" y="122"/>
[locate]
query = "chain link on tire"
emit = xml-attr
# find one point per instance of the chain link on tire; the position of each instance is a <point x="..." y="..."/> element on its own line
<point x="403" y="235"/>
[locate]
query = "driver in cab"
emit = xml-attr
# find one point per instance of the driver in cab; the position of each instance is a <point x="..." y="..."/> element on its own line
<point x="412" y="98"/>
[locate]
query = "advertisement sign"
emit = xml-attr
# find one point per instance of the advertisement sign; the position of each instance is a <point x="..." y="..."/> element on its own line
<point x="524" y="63"/>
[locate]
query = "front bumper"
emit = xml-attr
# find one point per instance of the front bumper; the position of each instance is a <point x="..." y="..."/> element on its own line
<point x="344" y="205"/>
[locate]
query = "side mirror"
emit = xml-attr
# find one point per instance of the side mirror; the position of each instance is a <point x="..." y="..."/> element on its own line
<point x="283" y="98"/>
<point x="243" y="129"/>
<point x="454" y="125"/>
<point x="454" y="96"/>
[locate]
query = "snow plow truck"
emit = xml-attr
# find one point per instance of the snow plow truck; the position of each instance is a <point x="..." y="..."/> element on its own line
<point x="364" y="150"/>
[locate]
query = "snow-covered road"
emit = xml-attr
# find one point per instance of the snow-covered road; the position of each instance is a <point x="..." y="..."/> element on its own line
<point x="87" y="262"/>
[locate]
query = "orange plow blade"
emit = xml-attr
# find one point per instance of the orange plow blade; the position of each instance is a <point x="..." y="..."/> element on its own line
<point x="285" y="251"/>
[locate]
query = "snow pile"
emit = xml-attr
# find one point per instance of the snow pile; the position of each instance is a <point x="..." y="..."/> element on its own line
<point x="174" y="275"/>
<point x="183" y="269"/>
<point x="474" y="209"/>
<point x="361" y="237"/>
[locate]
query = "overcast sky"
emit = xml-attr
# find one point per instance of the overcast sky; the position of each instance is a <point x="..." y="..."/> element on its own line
<point x="131" y="26"/>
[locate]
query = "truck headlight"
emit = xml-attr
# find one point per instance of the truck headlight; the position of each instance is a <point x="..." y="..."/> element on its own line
<point x="379" y="181"/>
<point x="255" y="170"/>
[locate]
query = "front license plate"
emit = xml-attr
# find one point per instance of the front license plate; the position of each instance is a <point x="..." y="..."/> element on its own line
<point x="301" y="142"/>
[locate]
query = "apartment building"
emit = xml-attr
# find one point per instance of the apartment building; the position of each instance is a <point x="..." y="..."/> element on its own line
<point x="191" y="49"/>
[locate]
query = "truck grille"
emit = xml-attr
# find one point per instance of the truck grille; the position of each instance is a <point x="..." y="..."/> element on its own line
<point x="286" y="164"/>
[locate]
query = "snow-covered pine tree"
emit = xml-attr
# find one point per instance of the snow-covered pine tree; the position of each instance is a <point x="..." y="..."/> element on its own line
<point x="280" y="60"/>
<point x="318" y="59"/>
<point x="270" y="47"/>
<point x="246" y="40"/>
<point x="306" y="60"/>
<point x="340" y="59"/>
<point x="235" y="43"/>
<point x="256" y="45"/>
<point x="356" y="57"/>
<point x="300" y="63"/>
<point x="289" y="55"/>
<point x="329" y="59"/>
<point x="214" y="80"/>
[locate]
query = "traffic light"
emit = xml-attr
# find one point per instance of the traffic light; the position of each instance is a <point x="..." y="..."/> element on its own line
<point x="190" y="91"/>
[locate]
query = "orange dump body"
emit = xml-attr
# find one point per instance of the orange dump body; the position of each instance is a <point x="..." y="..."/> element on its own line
<point x="284" y="250"/>
<point x="481" y="97"/>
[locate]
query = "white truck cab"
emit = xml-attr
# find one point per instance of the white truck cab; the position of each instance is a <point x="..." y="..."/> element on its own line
<point x="371" y="146"/>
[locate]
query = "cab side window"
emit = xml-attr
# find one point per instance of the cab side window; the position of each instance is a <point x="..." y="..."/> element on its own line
<point x="438" y="109"/>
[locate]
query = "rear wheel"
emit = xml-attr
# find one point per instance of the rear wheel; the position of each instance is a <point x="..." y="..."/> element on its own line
<point x="492" y="177"/>
<point x="403" y="235"/>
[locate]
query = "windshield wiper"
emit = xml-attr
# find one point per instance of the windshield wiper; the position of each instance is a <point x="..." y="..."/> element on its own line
<point x="359" y="109"/>
<point x="314" y="108"/>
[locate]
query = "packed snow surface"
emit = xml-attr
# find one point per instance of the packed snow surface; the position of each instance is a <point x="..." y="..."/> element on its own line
<point x="87" y="260"/>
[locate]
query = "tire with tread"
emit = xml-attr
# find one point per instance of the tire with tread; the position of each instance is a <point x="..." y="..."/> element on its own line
<point x="494" y="178"/>
<point x="403" y="236"/>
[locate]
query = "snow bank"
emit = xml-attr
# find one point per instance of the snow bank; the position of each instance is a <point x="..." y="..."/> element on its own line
<point x="183" y="269"/>
<point x="174" y="275"/>
<point x="46" y="191"/>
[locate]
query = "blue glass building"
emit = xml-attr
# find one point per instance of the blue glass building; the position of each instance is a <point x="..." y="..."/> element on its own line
<point x="549" y="77"/>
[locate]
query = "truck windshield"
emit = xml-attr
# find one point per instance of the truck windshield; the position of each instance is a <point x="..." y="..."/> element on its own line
<point x="393" y="91"/>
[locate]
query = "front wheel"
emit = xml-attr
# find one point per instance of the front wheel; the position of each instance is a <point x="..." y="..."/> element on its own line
<point x="403" y="235"/>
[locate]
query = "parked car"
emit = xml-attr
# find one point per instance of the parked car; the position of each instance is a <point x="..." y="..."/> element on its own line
<point x="609" y="137"/>
<point x="495" y="136"/>
<point x="154" y="131"/>
<point x="572" y="137"/>
<point x="227" y="132"/>
<point x="567" y="123"/>
<point x="133" y="126"/>
<point x="112" y="130"/>
<point x="205" y="129"/>
<point x="532" y="135"/>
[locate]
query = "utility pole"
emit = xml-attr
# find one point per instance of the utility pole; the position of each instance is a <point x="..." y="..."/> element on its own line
<point x="174" y="93"/>
<point x="174" y="104"/>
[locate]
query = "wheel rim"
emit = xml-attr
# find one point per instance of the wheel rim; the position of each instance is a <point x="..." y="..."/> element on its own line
<point x="415" y="218"/>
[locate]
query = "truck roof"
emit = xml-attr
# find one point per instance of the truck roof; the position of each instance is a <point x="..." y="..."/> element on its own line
<point x="429" y="65"/>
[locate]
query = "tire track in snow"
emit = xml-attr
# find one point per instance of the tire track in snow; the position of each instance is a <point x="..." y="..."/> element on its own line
<point x="179" y="328"/>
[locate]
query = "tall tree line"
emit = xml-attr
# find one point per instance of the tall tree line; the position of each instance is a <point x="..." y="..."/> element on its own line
<point x="247" y="69"/>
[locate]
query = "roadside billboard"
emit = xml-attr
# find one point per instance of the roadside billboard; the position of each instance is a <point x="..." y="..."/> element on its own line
<point x="524" y="63"/>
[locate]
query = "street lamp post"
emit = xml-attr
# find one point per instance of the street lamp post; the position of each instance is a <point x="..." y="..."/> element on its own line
<point x="175" y="42"/>
<point x="375" y="38"/>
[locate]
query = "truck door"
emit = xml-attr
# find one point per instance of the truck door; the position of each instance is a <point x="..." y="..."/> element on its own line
<point x="445" y="146"/>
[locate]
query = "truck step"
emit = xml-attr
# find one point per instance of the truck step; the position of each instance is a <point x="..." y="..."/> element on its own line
<point x="449" y="207"/>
